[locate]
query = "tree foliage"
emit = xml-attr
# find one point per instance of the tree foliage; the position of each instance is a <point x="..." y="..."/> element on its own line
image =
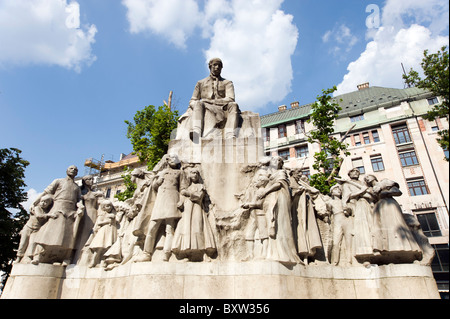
<point x="150" y="133"/>
<point x="436" y="72"/>
<point x="328" y="161"/>
<point x="12" y="173"/>
<point x="130" y="186"/>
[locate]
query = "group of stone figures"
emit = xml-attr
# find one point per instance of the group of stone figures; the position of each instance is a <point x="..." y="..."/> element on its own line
<point x="72" y="224"/>
<point x="280" y="217"/>
<point x="359" y="222"/>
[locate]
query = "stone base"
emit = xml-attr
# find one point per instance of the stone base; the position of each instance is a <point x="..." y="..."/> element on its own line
<point x="218" y="280"/>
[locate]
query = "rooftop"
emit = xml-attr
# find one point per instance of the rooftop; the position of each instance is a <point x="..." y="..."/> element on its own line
<point x="351" y="103"/>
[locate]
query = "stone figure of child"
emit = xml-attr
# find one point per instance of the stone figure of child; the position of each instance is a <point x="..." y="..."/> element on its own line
<point x="38" y="216"/>
<point x="105" y="232"/>
<point x="342" y="225"/>
<point x="257" y="217"/>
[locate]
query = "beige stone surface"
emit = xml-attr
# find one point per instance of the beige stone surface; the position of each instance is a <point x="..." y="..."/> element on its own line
<point x="222" y="280"/>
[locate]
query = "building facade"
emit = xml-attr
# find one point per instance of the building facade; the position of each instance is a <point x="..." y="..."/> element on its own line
<point x="108" y="176"/>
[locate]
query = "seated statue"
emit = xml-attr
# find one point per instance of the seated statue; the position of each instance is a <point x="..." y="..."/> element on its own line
<point x="212" y="107"/>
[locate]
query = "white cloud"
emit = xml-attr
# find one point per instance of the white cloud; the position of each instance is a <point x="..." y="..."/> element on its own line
<point x="254" y="38"/>
<point x="44" y="32"/>
<point x="32" y="195"/>
<point x="433" y="14"/>
<point x="256" y="45"/>
<point x="176" y="19"/>
<point x="341" y="38"/>
<point x="408" y="28"/>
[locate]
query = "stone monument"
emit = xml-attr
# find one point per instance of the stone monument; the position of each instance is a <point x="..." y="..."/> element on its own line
<point x="218" y="219"/>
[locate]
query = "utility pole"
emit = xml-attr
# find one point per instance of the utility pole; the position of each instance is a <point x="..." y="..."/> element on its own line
<point x="170" y="101"/>
<point x="404" y="72"/>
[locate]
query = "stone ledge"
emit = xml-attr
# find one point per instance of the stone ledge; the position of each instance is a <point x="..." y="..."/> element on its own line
<point x="41" y="270"/>
<point x="251" y="268"/>
<point x="223" y="280"/>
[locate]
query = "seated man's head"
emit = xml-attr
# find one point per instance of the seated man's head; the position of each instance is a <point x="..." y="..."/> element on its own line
<point x="215" y="66"/>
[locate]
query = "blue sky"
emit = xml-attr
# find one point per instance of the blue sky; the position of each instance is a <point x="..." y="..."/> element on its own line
<point x="71" y="72"/>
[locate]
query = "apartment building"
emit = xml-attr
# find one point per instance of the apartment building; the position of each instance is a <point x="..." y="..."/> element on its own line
<point x="390" y="139"/>
<point x="108" y="175"/>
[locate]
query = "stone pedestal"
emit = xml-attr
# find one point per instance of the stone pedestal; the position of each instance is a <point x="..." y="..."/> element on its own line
<point x="222" y="280"/>
<point x="222" y="164"/>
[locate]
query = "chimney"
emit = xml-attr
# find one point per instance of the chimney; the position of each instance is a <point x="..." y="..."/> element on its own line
<point x="295" y="105"/>
<point x="363" y="86"/>
<point x="282" y="108"/>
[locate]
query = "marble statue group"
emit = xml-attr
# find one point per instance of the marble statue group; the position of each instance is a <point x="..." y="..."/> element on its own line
<point x="175" y="214"/>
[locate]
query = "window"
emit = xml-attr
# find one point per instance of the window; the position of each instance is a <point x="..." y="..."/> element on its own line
<point x="417" y="187"/>
<point x="366" y="138"/>
<point x="282" y="131"/>
<point x="357" y="139"/>
<point x="108" y="193"/>
<point x="446" y="153"/>
<point x="440" y="260"/>
<point x="435" y="128"/>
<point x="377" y="163"/>
<point x="432" y="101"/>
<point x="429" y="224"/>
<point x="401" y="134"/>
<point x="329" y="169"/>
<point x="408" y="158"/>
<point x="375" y="136"/>
<point x="359" y="164"/>
<point x="118" y="192"/>
<point x="284" y="154"/>
<point x="306" y="172"/>
<point x="299" y="127"/>
<point x="266" y="134"/>
<point x="357" y="118"/>
<point x="302" y="151"/>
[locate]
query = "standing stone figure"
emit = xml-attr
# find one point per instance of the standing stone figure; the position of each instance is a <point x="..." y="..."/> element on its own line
<point x="428" y="251"/>
<point x="212" y="106"/>
<point x="125" y="247"/>
<point x="257" y="217"/>
<point x="143" y="180"/>
<point x="143" y="201"/>
<point x="375" y="223"/>
<point x="308" y="234"/>
<point x="91" y="201"/>
<point x="399" y="243"/>
<point x="165" y="210"/>
<point x="341" y="225"/>
<point x="194" y="236"/>
<point x="38" y="216"/>
<point x="281" y="246"/>
<point x="354" y="196"/>
<point x="56" y="238"/>
<point x="105" y="232"/>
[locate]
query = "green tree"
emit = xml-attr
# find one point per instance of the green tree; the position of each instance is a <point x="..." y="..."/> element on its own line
<point x="12" y="173"/>
<point x="150" y="133"/>
<point x="130" y="186"/>
<point x="328" y="161"/>
<point x="435" y="70"/>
